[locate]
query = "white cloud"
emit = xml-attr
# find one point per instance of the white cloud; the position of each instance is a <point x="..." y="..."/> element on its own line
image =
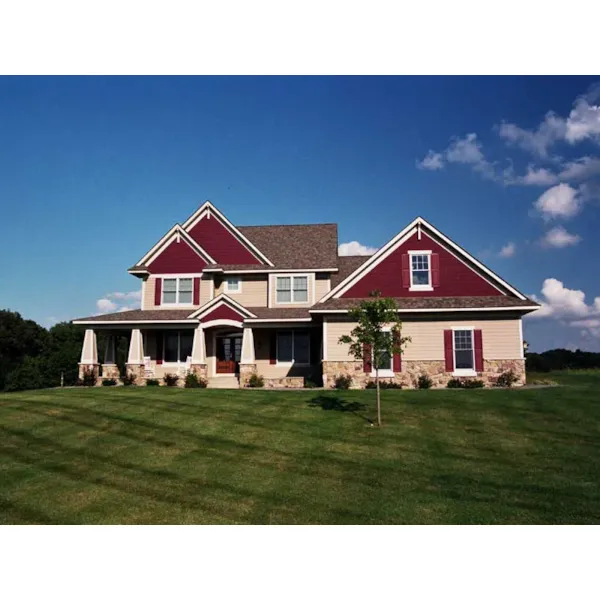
<point x="355" y="249"/>
<point x="560" y="201"/>
<point x="539" y="176"/>
<point x="559" y="237"/>
<point x="561" y="302"/>
<point x="508" y="251"/>
<point x="580" y="168"/>
<point x="584" y="120"/>
<point x="119" y="302"/>
<point x="432" y="162"/>
<point x="538" y="141"/>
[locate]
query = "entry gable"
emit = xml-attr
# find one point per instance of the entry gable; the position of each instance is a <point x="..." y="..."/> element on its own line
<point x="453" y="271"/>
<point x="214" y="232"/>
<point x="222" y="307"/>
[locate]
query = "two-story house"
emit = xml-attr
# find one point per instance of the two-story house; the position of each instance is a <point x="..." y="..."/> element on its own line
<point x="228" y="301"/>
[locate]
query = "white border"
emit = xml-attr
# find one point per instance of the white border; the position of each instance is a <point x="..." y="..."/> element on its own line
<point x="310" y="289"/>
<point x="226" y="282"/>
<point x="416" y="310"/>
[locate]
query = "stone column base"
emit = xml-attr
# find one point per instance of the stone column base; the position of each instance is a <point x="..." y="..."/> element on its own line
<point x="137" y="370"/>
<point x="246" y="371"/>
<point x="110" y="372"/>
<point x="84" y="368"/>
<point x="200" y="370"/>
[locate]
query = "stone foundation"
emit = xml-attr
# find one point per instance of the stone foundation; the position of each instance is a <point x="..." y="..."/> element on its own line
<point x="110" y="372"/>
<point x="412" y="370"/>
<point x="284" y="382"/>
<point x="246" y="371"/>
<point x="138" y="371"/>
<point x="200" y="370"/>
<point x="83" y="368"/>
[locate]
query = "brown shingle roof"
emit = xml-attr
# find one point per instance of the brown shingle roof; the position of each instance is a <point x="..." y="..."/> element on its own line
<point x="141" y="315"/>
<point x="296" y="246"/>
<point x="280" y="313"/>
<point x="346" y="265"/>
<point x="432" y="302"/>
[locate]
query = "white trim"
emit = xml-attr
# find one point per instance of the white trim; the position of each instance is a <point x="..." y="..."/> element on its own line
<point x="463" y="372"/>
<point x="521" y="338"/>
<point x="420" y="287"/>
<point x="324" y="338"/>
<point x="208" y="208"/>
<point x="388" y="248"/>
<point x="291" y="363"/>
<point x="429" y="252"/>
<point x="187" y="321"/>
<point x="411" y="310"/>
<point x="239" y="289"/>
<point x="143" y="301"/>
<point x="263" y="271"/>
<point x="222" y="323"/>
<point x="221" y="299"/>
<point x="463" y="328"/>
<point x="310" y="277"/>
<point x="177" y="304"/>
<point x="383" y="372"/>
<point x="290" y="320"/>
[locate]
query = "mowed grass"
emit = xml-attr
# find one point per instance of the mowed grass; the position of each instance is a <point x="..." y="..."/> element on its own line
<point x="161" y="455"/>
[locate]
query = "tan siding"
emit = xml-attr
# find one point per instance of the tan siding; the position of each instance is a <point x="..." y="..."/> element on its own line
<point x="321" y="287"/>
<point x="148" y="294"/>
<point x="273" y="291"/>
<point x="205" y="289"/>
<point x="501" y="338"/>
<point x="254" y="291"/>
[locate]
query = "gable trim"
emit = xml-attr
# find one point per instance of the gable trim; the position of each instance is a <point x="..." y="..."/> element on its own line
<point x="165" y="240"/>
<point x="218" y="301"/>
<point x="419" y="224"/>
<point x="427" y="310"/>
<point x="209" y="208"/>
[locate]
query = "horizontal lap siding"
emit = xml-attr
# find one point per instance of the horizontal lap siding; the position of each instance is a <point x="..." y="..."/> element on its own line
<point x="205" y="290"/>
<point x="254" y="291"/>
<point x="148" y="295"/>
<point x="501" y="338"/>
<point x="321" y="287"/>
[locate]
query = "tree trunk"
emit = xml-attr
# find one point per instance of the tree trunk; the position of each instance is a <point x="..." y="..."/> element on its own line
<point x="378" y="398"/>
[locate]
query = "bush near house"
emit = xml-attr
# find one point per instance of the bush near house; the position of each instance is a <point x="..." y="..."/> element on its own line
<point x="109" y="382"/>
<point x="424" y="382"/>
<point x="152" y="382"/>
<point x="129" y="379"/>
<point x="506" y="379"/>
<point x="342" y="382"/>
<point x="255" y="381"/>
<point x="170" y="379"/>
<point x="193" y="381"/>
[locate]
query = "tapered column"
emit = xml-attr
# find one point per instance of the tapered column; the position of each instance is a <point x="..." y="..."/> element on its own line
<point x="199" y="347"/>
<point x="89" y="352"/>
<point x="136" y="348"/>
<point x="248" y="347"/>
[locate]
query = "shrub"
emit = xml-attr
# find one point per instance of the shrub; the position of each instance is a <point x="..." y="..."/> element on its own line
<point x="473" y="383"/>
<point x="193" y="381"/>
<point x="506" y="379"/>
<point x="342" y="382"/>
<point x="89" y="378"/>
<point x="256" y="381"/>
<point x="454" y="383"/>
<point x="128" y="379"/>
<point x="309" y="383"/>
<point x="171" y="379"/>
<point x="109" y="382"/>
<point x="424" y="382"/>
<point x="152" y="382"/>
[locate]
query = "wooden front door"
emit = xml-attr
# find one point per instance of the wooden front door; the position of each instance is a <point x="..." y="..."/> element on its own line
<point x="229" y="352"/>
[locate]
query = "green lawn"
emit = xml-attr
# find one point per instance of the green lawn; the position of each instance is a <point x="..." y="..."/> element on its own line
<point x="158" y="455"/>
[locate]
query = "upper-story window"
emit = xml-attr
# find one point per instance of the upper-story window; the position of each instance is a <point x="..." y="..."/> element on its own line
<point x="177" y="290"/>
<point x="420" y="270"/>
<point x="233" y="285"/>
<point x="292" y="289"/>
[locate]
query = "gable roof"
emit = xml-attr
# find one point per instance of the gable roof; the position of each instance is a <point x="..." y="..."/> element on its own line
<point x="416" y="226"/>
<point x="346" y="266"/>
<point x="216" y="302"/>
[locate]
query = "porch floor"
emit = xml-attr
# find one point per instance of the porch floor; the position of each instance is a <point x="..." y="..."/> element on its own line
<point x="227" y="382"/>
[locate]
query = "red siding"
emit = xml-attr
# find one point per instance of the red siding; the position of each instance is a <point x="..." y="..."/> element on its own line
<point x="224" y="247"/>
<point x="397" y="357"/>
<point x="222" y="312"/>
<point x="454" y="279"/>
<point x="196" y="290"/>
<point x="158" y="292"/>
<point x="177" y="257"/>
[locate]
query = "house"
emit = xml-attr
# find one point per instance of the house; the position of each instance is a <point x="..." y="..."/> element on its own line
<point x="228" y="301"/>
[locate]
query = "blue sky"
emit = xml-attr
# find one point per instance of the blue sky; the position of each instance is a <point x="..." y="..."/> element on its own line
<point x="94" y="170"/>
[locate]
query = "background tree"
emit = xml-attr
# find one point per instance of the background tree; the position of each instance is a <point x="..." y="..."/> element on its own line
<point x="378" y="332"/>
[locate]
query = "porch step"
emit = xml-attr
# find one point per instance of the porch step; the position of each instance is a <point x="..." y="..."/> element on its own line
<point x="226" y="382"/>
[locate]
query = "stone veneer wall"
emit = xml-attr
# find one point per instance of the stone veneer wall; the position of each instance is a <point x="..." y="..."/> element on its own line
<point x="246" y="371"/>
<point x="284" y="382"/>
<point x="412" y="370"/>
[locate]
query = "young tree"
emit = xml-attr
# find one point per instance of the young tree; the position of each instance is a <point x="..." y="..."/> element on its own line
<point x="378" y="332"/>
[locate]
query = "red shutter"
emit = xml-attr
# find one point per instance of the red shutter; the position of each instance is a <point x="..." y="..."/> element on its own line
<point x="273" y="347"/>
<point x="478" y="351"/>
<point x="435" y="270"/>
<point x="367" y="362"/>
<point x="159" y="347"/>
<point x="448" y="350"/>
<point x="405" y="271"/>
<point x="196" y="290"/>
<point x="157" y="292"/>
<point x="397" y="358"/>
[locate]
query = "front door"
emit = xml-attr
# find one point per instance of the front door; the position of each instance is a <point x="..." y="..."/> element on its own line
<point x="229" y="352"/>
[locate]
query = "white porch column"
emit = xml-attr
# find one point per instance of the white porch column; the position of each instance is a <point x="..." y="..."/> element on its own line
<point x="89" y="352"/>
<point x="248" y="347"/>
<point x="199" y="347"/>
<point x="109" y="351"/>
<point x="136" y="348"/>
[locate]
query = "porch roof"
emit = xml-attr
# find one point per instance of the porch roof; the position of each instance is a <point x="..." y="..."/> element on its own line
<point x="138" y="315"/>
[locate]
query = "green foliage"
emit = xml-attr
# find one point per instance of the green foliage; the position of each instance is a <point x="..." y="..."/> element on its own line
<point x="256" y="381"/>
<point x="342" y="382"/>
<point x="506" y="379"/>
<point x="193" y="381"/>
<point x="28" y="376"/>
<point x="171" y="379"/>
<point x="309" y="383"/>
<point x="109" y="382"/>
<point x="129" y="379"/>
<point x="152" y="382"/>
<point x="560" y="358"/>
<point x="473" y="383"/>
<point x="89" y="378"/>
<point x="384" y="385"/>
<point x="454" y="383"/>
<point x="424" y="382"/>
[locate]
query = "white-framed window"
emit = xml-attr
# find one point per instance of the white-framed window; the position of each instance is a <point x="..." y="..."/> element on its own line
<point x="293" y="347"/>
<point x="420" y="270"/>
<point x="386" y="366"/>
<point x="463" y="349"/>
<point x="233" y="284"/>
<point x="177" y="290"/>
<point x="177" y="346"/>
<point x="291" y="289"/>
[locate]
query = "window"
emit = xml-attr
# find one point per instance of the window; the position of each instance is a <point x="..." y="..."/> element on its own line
<point x="233" y="285"/>
<point x="293" y="347"/>
<point x="463" y="350"/>
<point x="420" y="273"/>
<point x="292" y="289"/>
<point x="177" y="346"/>
<point x="384" y="362"/>
<point x="177" y="291"/>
